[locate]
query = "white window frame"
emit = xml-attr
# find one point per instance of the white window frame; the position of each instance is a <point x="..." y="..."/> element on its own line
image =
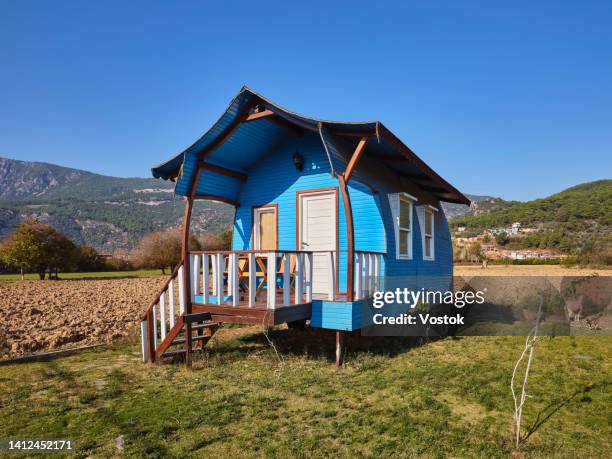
<point x="394" y="200"/>
<point x="425" y="210"/>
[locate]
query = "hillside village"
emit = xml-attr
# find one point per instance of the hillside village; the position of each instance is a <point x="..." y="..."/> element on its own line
<point x="485" y="246"/>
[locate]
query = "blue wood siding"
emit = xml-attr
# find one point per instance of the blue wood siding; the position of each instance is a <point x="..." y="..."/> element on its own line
<point x="275" y="181"/>
<point x="218" y="185"/>
<point x="336" y="315"/>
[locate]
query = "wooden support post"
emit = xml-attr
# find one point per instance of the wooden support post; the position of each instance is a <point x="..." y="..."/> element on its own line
<point x="185" y="256"/>
<point x="339" y="348"/>
<point x="187" y="271"/>
<point x="350" y="238"/>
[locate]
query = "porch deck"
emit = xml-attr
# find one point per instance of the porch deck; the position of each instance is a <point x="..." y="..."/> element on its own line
<point x="259" y="313"/>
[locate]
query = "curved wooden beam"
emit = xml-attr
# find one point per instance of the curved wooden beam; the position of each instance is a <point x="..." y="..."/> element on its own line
<point x="350" y="238"/>
<point x="355" y="158"/>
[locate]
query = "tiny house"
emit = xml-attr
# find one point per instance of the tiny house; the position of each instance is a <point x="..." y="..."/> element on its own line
<point x="324" y="212"/>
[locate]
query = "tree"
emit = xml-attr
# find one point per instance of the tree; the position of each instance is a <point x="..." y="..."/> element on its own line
<point x="38" y="248"/>
<point x="502" y="238"/>
<point x="221" y="241"/>
<point x="161" y="249"/>
<point x="474" y="251"/>
<point x="89" y="260"/>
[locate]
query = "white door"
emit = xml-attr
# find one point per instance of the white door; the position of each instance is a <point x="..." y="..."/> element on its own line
<point x="318" y="217"/>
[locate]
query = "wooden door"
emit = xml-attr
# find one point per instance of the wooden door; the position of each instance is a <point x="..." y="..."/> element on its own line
<point x="318" y="220"/>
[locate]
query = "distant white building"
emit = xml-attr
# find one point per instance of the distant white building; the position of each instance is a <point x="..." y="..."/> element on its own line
<point x="511" y="230"/>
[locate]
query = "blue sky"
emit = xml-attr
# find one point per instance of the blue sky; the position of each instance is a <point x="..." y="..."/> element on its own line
<point x="512" y="99"/>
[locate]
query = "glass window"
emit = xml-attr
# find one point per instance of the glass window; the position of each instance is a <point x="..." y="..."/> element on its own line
<point x="428" y="234"/>
<point x="404" y="227"/>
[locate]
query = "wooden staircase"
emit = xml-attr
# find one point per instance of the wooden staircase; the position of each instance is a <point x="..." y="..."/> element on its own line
<point x="166" y="333"/>
<point x="201" y="329"/>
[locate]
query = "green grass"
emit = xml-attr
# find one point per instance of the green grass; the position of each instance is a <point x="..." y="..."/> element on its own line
<point x="444" y="398"/>
<point x="94" y="275"/>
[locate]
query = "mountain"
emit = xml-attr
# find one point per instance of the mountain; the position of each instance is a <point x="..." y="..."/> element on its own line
<point x="569" y="220"/>
<point x="480" y="204"/>
<point x="108" y="213"/>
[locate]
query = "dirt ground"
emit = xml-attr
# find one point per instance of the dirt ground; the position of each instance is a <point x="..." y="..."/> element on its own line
<point x="526" y="270"/>
<point x="39" y="316"/>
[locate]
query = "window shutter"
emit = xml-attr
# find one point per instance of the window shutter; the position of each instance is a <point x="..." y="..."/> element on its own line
<point x="394" y="205"/>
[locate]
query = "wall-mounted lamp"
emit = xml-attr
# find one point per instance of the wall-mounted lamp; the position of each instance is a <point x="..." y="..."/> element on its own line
<point x="298" y="161"/>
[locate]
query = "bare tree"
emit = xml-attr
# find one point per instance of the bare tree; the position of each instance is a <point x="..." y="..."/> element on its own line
<point x="530" y="342"/>
<point x="161" y="250"/>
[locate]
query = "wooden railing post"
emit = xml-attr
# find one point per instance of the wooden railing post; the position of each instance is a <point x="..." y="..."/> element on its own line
<point x="308" y="275"/>
<point x="331" y="280"/>
<point x="233" y="276"/>
<point x="162" y="314"/>
<point x="181" y="280"/>
<point x="171" y="302"/>
<point x="271" y="280"/>
<point x="219" y="279"/>
<point x="155" y="330"/>
<point x="287" y="279"/>
<point x="196" y="276"/>
<point x="252" y="279"/>
<point x="205" y="278"/>
<point x="150" y="339"/>
<point x="299" y="277"/>
<point x="144" y="341"/>
<point x="358" y="276"/>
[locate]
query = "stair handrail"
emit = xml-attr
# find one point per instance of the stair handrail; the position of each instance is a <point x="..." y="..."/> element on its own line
<point x="163" y="289"/>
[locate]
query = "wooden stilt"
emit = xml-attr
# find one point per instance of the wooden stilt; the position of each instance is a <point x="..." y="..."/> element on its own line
<point x="339" y="348"/>
<point x="188" y="344"/>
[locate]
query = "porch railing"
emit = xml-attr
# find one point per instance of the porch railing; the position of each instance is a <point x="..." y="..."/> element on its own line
<point x="368" y="269"/>
<point x="252" y="278"/>
<point x="276" y="278"/>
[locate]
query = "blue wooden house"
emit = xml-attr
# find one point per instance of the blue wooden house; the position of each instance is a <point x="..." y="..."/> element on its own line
<point x="324" y="211"/>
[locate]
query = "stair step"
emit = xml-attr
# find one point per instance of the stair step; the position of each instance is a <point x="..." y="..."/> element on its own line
<point x="204" y="325"/>
<point x="194" y="338"/>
